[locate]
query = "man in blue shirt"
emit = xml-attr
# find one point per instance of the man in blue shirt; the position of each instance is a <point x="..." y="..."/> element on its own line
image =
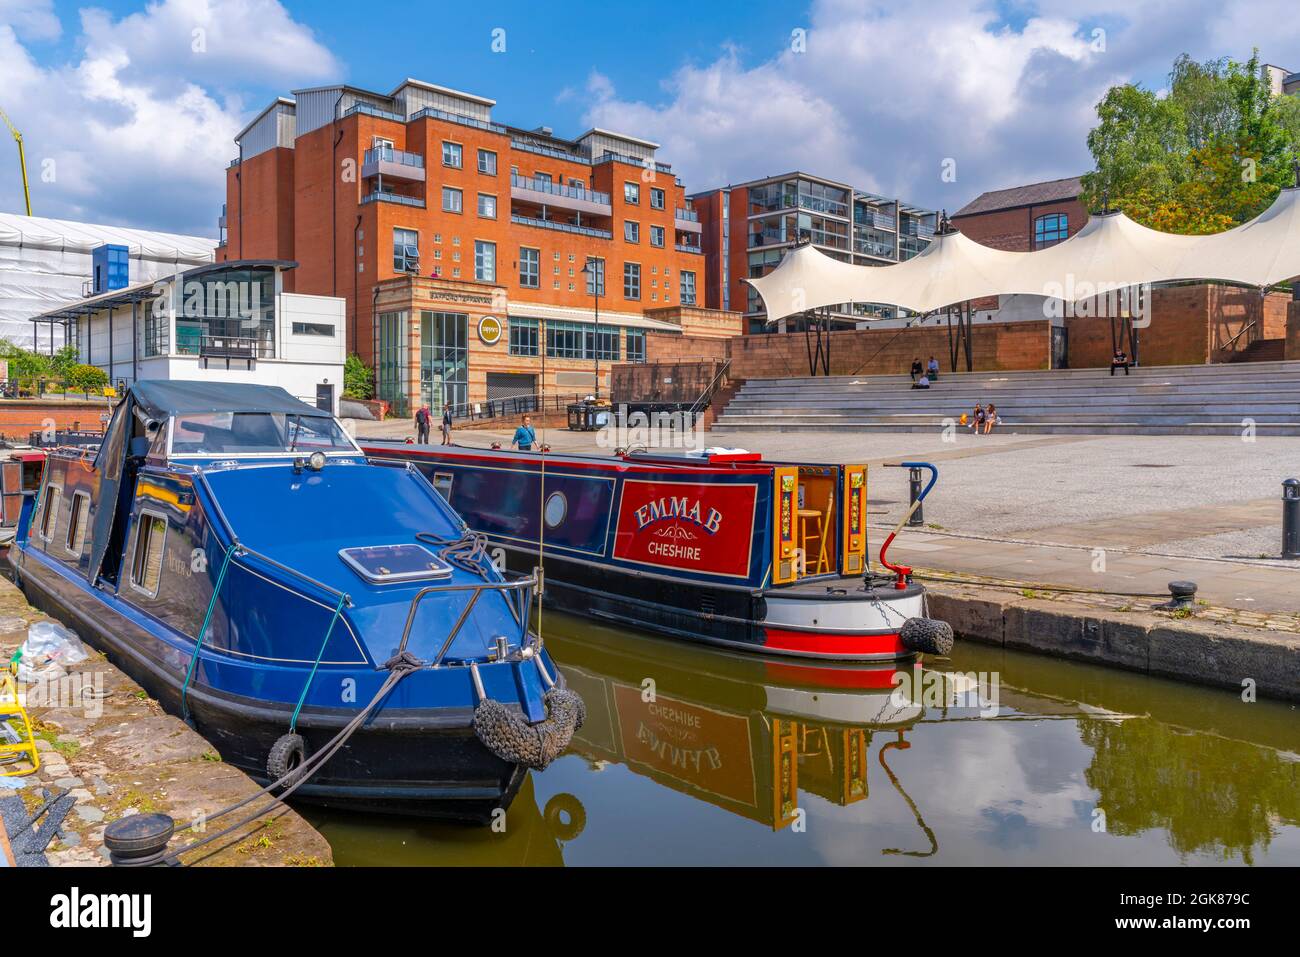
<point x="525" y="436"/>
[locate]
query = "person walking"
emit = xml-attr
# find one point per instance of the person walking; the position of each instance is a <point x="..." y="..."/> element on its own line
<point x="524" y="435"/>
<point x="422" y="425"/>
<point x="446" y="425"/>
<point x="917" y="368"/>
<point x="932" y="369"/>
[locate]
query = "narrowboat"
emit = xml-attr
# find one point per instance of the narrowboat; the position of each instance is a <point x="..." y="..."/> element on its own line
<point x="720" y="547"/>
<point x="234" y="551"/>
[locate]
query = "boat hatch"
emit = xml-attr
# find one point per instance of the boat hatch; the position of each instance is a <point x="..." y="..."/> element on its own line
<point x="384" y="564"/>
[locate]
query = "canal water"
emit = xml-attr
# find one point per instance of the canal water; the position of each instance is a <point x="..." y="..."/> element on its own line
<point x="692" y="756"/>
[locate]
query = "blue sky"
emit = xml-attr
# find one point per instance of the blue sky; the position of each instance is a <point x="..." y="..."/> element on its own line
<point x="126" y="122"/>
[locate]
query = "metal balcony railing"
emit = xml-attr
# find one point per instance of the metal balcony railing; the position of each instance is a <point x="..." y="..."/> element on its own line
<point x="540" y="150"/>
<point x="385" y="197"/>
<point x="689" y="248"/>
<point x="437" y="114"/>
<point x="687" y="215"/>
<point x="558" y="189"/>
<point x="390" y="155"/>
<point x="562" y="227"/>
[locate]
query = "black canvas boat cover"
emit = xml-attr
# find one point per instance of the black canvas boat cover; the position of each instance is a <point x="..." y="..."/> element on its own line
<point x="160" y="399"/>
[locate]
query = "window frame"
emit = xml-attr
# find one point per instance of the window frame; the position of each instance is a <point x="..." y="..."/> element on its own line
<point x="631" y="192"/>
<point x="50" y="517"/>
<point x="1060" y="230"/>
<point x="662" y="234"/>
<point x="635" y="228"/>
<point x="147" y="513"/>
<point x="80" y="507"/>
<point x="536" y="270"/>
<point x="459" y="149"/>
<point x="681" y="287"/>
<point x="658" y="193"/>
<point x="632" y="273"/>
<point x="493" y="198"/>
<point x="460" y="199"/>
<point x="478" y="258"/>
<point x="484" y="153"/>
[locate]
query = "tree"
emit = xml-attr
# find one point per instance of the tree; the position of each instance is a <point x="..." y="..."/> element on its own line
<point x="1211" y="153"/>
<point x="358" y="378"/>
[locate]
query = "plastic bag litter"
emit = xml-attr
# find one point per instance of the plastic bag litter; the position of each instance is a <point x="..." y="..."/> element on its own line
<point x="48" y="650"/>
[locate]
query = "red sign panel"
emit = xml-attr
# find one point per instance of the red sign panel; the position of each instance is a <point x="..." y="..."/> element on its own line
<point x="688" y="526"/>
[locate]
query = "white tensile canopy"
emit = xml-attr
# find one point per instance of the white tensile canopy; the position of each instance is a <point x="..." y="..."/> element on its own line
<point x="1110" y="253"/>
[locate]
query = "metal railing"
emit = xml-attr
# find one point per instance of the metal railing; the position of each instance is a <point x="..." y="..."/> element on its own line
<point x="562" y="227"/>
<point x="540" y="150"/>
<point x="234" y="347"/>
<point x="389" y="154"/>
<point x="612" y="156"/>
<point x="558" y="189"/>
<point x="689" y="248"/>
<point x="385" y="197"/>
<point x="515" y="405"/>
<point x="524" y="586"/>
<point x="687" y="215"/>
<point x="437" y="114"/>
<point x="368" y="110"/>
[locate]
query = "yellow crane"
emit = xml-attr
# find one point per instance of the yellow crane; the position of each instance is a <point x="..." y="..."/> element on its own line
<point x="22" y="159"/>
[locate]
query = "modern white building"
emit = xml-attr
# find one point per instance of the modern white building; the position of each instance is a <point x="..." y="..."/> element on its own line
<point x="228" y="322"/>
<point x="45" y="263"/>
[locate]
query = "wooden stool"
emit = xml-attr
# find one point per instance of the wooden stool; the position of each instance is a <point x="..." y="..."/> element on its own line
<point x="807" y="516"/>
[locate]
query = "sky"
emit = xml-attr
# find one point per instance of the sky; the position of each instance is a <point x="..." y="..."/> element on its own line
<point x="129" y="109"/>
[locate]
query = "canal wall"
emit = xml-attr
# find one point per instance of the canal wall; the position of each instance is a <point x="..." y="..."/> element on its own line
<point x="1217" y="653"/>
<point x="118" y="753"/>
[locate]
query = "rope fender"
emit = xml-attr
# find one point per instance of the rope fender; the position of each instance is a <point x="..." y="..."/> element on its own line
<point x="927" y="635"/>
<point x="511" y="738"/>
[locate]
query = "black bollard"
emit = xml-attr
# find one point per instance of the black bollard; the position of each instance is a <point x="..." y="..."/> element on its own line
<point x="914" y="490"/>
<point x="1182" y="596"/>
<point x="1291" y="518"/>
<point x="139" y="840"/>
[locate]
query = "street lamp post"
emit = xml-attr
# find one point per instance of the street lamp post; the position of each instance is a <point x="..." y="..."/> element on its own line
<point x="590" y="270"/>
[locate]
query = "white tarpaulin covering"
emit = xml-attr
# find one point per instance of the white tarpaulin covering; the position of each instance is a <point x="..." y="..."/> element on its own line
<point x="45" y="263"/>
<point x="1110" y="252"/>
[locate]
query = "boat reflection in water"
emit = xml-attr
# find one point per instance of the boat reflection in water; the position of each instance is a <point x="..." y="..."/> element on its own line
<point x="746" y="760"/>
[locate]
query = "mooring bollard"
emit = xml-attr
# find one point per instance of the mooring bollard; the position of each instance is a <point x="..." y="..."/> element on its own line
<point x="139" y="840"/>
<point x="1291" y="518"/>
<point x="914" y="490"/>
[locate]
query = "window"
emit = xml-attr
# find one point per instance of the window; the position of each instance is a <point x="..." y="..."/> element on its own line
<point x="581" y="340"/>
<point x="530" y="267"/>
<point x="636" y="345"/>
<point x="606" y="345"/>
<point x="406" y="250"/>
<point x="487" y="162"/>
<point x="313" y="329"/>
<point x="50" y="520"/>
<point x="147" y="559"/>
<point x="451" y="200"/>
<point x="632" y="231"/>
<point x="656" y="235"/>
<point x="632" y="193"/>
<point x="631" y="280"/>
<point x="485" y="261"/>
<point x="487" y="206"/>
<point x="451" y="155"/>
<point x="688" y="288"/>
<point x="594" y="270"/>
<point x="523" y="337"/>
<point x="77" y="522"/>
<point x="656" y="198"/>
<point x="1050" y="230"/>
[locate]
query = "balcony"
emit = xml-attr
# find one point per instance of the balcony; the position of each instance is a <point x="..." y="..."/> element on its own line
<point x="530" y="147"/>
<point x="689" y="248"/>
<point x="437" y="114"/>
<point x="393" y="163"/>
<point x="562" y="227"/>
<point x="687" y="220"/>
<point x="379" y="196"/>
<point x="546" y="193"/>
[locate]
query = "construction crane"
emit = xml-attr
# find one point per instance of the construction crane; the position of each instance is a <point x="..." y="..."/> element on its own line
<point x="22" y="159"/>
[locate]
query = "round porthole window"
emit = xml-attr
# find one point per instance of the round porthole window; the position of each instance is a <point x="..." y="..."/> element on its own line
<point x="556" y="508"/>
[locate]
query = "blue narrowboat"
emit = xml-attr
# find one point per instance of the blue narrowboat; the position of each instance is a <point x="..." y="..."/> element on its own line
<point x="234" y="551"/>
<point x="720" y="547"/>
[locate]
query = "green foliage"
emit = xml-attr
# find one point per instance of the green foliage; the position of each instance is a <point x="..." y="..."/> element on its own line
<point x="85" y="378"/>
<point x="1211" y="153"/>
<point x="358" y="379"/>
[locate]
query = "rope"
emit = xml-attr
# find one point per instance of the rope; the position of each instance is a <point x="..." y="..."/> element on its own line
<point x="398" y="668"/>
<point x="468" y="552"/>
<point x="338" y="610"/>
<point x="203" y="632"/>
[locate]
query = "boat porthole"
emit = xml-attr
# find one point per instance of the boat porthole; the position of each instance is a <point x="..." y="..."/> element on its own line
<point x="556" y="508"/>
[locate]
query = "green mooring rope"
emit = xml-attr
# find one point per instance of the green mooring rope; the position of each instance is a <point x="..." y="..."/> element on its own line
<point x="338" y="610"/>
<point x="207" y="619"/>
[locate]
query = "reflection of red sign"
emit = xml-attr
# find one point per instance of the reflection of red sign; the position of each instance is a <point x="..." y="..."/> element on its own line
<point x="700" y="747"/>
<point x="687" y="525"/>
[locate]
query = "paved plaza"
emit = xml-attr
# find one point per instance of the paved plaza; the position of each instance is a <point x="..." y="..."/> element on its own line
<point x="1037" y="508"/>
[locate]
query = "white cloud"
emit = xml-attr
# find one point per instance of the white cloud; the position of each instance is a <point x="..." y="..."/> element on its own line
<point x="31" y="19"/>
<point x="139" y="129"/>
<point x="885" y="92"/>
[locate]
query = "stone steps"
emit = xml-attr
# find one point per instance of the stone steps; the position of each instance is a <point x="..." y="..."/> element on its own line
<point x="1199" y="400"/>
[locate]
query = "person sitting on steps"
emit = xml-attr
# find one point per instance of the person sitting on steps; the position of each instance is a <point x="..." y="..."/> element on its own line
<point x="991" y="418"/>
<point x="922" y="383"/>
<point x="1119" y="361"/>
<point x="932" y="369"/>
<point x="917" y="368"/>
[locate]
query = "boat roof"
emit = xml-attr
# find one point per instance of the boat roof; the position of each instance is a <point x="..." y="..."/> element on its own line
<point x="748" y="462"/>
<point x="161" y="398"/>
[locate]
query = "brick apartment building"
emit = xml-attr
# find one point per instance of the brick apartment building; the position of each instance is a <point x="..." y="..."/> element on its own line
<point x="747" y="228"/>
<point x="472" y="254"/>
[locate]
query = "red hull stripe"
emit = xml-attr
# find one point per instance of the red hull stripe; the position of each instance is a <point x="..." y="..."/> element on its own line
<point x="825" y="677"/>
<point x="781" y="639"/>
